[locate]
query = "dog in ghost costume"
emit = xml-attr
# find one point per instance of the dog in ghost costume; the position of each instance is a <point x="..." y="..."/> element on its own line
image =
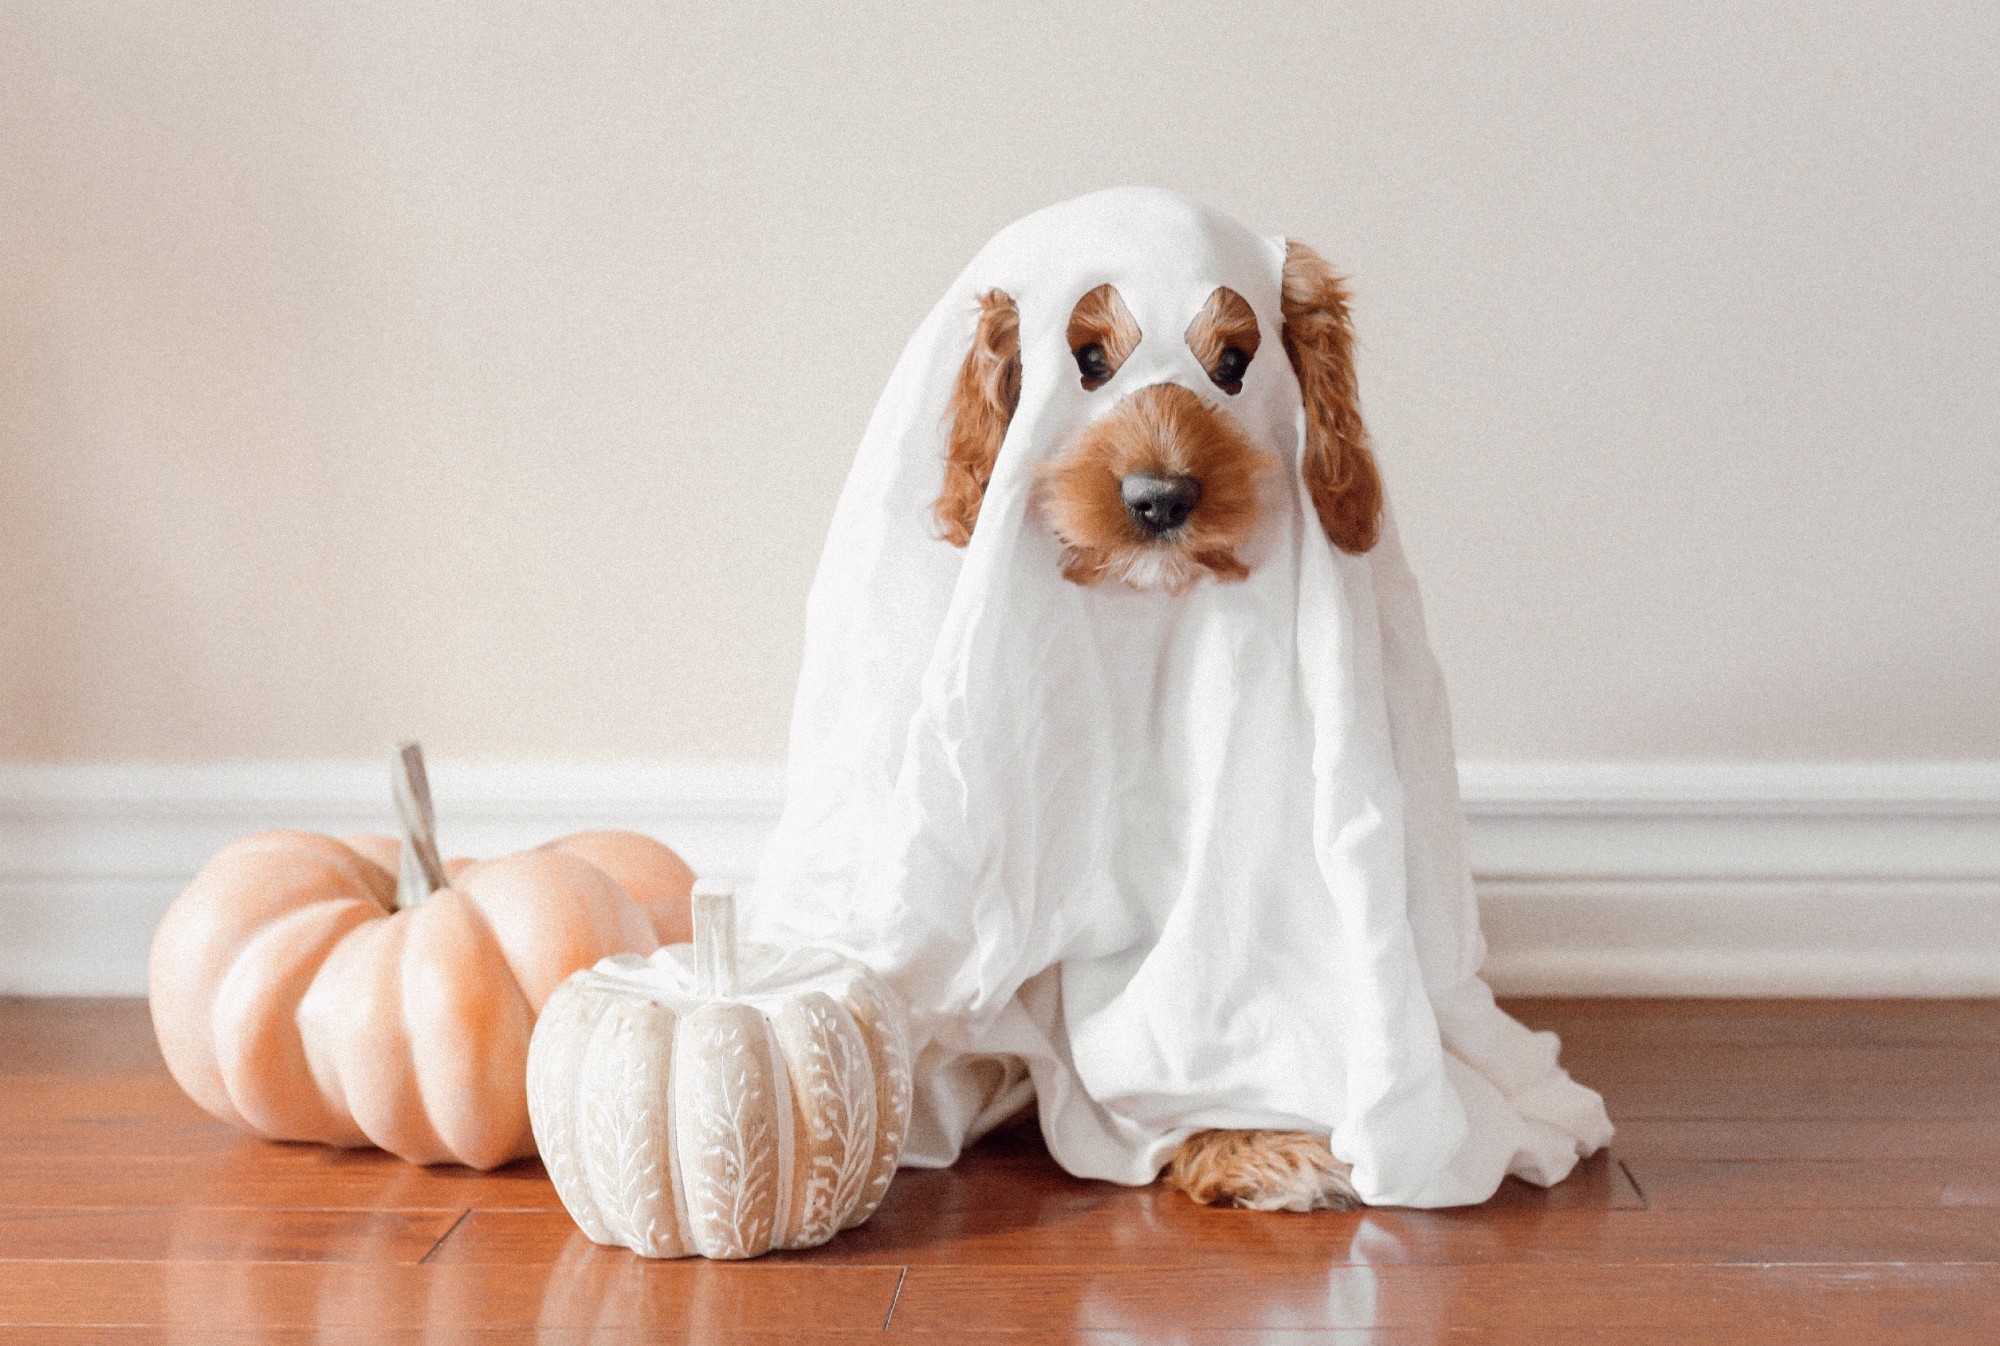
<point x="1119" y="748"/>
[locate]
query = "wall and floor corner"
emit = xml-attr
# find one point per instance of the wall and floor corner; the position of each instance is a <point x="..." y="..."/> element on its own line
<point x="487" y="375"/>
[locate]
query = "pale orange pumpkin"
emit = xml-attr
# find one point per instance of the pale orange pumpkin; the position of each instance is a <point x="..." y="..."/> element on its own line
<point x="303" y="991"/>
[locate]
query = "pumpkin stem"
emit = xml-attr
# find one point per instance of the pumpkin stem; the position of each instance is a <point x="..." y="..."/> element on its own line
<point x="422" y="872"/>
<point x="714" y="941"/>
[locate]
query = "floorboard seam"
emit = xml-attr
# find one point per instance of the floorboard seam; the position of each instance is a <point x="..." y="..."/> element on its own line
<point x="1645" y="1202"/>
<point x="463" y="1216"/>
<point x="902" y="1274"/>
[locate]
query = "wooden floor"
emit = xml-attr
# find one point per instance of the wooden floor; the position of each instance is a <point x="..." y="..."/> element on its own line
<point x="1824" y="1172"/>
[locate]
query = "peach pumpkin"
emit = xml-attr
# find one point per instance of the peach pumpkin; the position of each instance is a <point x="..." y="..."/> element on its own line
<point x="358" y="991"/>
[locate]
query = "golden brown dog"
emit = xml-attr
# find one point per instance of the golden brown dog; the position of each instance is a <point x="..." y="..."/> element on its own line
<point x="1159" y="492"/>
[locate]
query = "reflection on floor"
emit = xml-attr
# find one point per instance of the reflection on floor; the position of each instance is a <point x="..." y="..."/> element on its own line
<point x="1785" y="1171"/>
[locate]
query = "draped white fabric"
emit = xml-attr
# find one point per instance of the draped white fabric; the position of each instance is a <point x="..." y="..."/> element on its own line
<point x="1159" y="863"/>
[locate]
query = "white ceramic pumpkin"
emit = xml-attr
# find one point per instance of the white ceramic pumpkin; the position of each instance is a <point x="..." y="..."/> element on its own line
<point x="702" y="1103"/>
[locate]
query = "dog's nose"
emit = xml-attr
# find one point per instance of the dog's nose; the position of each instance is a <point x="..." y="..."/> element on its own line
<point x="1159" y="504"/>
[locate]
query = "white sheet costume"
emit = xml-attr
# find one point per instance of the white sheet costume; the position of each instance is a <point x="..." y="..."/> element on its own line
<point x="1160" y="863"/>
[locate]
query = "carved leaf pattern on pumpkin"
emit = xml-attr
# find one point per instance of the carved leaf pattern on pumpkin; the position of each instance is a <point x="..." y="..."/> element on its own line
<point x="731" y="1198"/>
<point x="893" y="1099"/>
<point x="627" y="1164"/>
<point x="622" y="1127"/>
<point x="642" y="1183"/>
<point x="840" y="1094"/>
<point x="893" y="1056"/>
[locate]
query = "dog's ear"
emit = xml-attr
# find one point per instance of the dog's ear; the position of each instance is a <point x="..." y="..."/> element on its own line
<point x="982" y="403"/>
<point x="1338" y="466"/>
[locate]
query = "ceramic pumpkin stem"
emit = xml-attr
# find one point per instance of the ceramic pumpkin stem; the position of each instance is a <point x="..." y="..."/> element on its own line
<point x="715" y="943"/>
<point x="422" y="872"/>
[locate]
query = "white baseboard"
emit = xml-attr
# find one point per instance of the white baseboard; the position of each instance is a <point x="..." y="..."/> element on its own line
<point x="1809" y="879"/>
<point x="1595" y="878"/>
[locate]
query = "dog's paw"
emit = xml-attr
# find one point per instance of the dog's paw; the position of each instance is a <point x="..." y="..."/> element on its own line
<point x="1261" y="1170"/>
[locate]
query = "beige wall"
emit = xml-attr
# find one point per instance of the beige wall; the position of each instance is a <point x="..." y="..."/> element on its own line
<point x="486" y="371"/>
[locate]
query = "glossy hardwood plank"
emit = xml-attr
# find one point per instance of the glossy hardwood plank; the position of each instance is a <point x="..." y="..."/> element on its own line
<point x="248" y="1172"/>
<point x="1865" y="1137"/>
<point x="1520" y="1335"/>
<point x="1018" y="1156"/>
<point x="983" y="1213"/>
<point x="127" y="1116"/>
<point x="1793" y="1082"/>
<point x="1968" y="1140"/>
<point x="258" y="1174"/>
<point x="1641" y="1023"/>
<point x="1675" y="1184"/>
<point x="76" y="1036"/>
<point x="684" y="1296"/>
<point x="151" y="1095"/>
<point x="1708" y="1303"/>
<point x="1434" y="1238"/>
<point x="68" y="1233"/>
<point x="1684" y="1237"/>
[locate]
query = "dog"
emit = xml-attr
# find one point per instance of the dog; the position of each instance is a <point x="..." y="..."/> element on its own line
<point x="1160" y="492"/>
